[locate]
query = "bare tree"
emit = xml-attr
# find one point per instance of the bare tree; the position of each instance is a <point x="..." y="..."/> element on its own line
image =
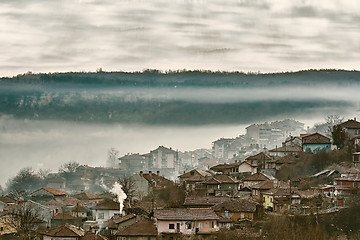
<point x="112" y="159"/>
<point x="69" y="167"/>
<point x="24" y="219"/>
<point x="128" y="186"/>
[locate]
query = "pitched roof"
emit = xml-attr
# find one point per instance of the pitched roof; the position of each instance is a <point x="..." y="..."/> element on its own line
<point x="351" y="124"/>
<point x="286" y="159"/>
<point x="66" y="230"/>
<point x="119" y="219"/>
<point x="199" y="171"/>
<point x="160" y="181"/>
<point x="87" y="196"/>
<point x="204" y="200"/>
<point x="144" y="227"/>
<point x="68" y="201"/>
<point x="260" y="156"/>
<point x="259" y="176"/>
<point x="186" y="214"/>
<point x="93" y="236"/>
<point x="315" y="138"/>
<point x="221" y="178"/>
<point x="164" y="150"/>
<point x="286" y="149"/>
<point x="237" y="205"/>
<point x="108" y="204"/>
<point x="132" y="157"/>
<point x="53" y="191"/>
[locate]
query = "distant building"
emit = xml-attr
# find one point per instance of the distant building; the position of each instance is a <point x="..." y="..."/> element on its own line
<point x="164" y="159"/>
<point x="133" y="163"/>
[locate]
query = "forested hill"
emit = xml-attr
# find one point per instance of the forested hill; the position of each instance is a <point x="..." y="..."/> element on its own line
<point x="179" y="98"/>
<point x="154" y="78"/>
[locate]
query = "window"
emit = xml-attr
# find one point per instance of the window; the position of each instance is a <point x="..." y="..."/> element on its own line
<point x="2" y="229"/>
<point x="201" y="225"/>
<point x="100" y="215"/>
<point x="171" y="226"/>
<point x="212" y="225"/>
<point x="188" y="226"/>
<point x="226" y="214"/>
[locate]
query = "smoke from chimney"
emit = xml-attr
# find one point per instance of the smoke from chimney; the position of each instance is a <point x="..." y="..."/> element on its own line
<point x="118" y="191"/>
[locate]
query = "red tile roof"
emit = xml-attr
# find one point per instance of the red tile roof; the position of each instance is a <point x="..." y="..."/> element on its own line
<point x="257" y="177"/>
<point x="53" y="191"/>
<point x="143" y="228"/>
<point x="260" y="156"/>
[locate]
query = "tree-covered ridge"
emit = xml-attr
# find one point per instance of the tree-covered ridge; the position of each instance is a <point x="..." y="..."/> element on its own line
<point x="155" y="78"/>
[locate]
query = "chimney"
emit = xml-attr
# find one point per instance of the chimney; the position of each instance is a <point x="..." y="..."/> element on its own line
<point x="158" y="172"/>
<point x="150" y="173"/>
<point x="354" y="118"/>
<point x="141" y="173"/>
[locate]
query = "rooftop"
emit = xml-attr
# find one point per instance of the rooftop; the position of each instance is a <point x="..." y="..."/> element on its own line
<point x="53" y="191"/>
<point x="186" y="214"/>
<point x="351" y="124"/>
<point x="144" y="227"/>
<point x="236" y="205"/>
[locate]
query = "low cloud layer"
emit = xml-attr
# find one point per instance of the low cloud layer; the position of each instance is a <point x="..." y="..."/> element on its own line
<point x="43" y="36"/>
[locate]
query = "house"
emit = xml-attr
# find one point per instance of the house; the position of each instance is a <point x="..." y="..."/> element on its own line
<point x="254" y="179"/>
<point x="279" y="199"/>
<point x="79" y="211"/>
<point x="70" y="232"/>
<point x="260" y="189"/>
<point x="88" y="197"/>
<point x="105" y="210"/>
<point x="204" y="201"/>
<point x="238" y="210"/>
<point x="145" y="183"/>
<point x="261" y="160"/>
<point x="118" y="222"/>
<point x="144" y="229"/>
<point x="291" y="146"/>
<point x="315" y="142"/>
<point x="237" y="169"/>
<point x="6" y="201"/>
<point x="283" y="161"/>
<point x="56" y="181"/>
<point x="221" y="185"/>
<point x="133" y="163"/>
<point x="191" y="178"/>
<point x="347" y="185"/>
<point x="352" y="128"/>
<point x="186" y="220"/>
<point x="46" y="193"/>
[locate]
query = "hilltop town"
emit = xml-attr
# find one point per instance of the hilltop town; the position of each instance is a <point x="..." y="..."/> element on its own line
<point x="277" y="181"/>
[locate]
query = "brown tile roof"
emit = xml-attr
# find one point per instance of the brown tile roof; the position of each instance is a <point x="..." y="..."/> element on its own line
<point x="53" y="191"/>
<point x="265" y="185"/>
<point x="204" y="201"/>
<point x="236" y="205"/>
<point x="108" y="204"/>
<point x="186" y="214"/>
<point x="351" y="124"/>
<point x="87" y="196"/>
<point x="68" y="201"/>
<point x="93" y="236"/>
<point x="221" y="178"/>
<point x="144" y="227"/>
<point x="257" y="177"/>
<point x="286" y="149"/>
<point x="160" y="181"/>
<point x="260" y="156"/>
<point x="315" y="138"/>
<point x="224" y="166"/>
<point x="65" y="231"/>
<point x="119" y="219"/>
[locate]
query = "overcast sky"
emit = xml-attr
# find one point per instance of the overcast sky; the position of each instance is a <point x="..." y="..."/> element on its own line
<point x="244" y="35"/>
